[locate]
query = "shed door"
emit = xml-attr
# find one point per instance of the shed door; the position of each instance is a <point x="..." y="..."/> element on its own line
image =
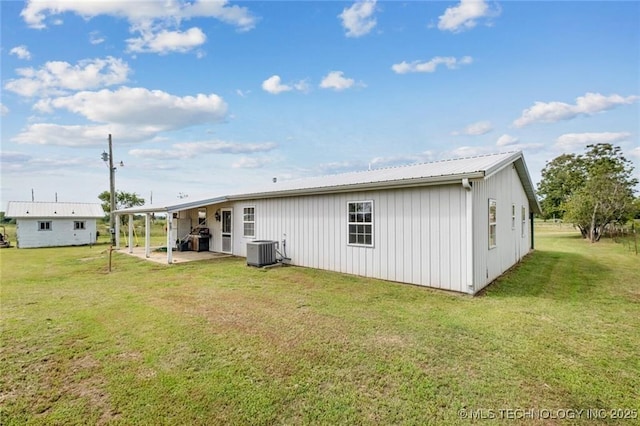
<point x="227" y="231"/>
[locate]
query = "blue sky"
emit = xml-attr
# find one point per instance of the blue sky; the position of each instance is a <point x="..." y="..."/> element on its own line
<point x="208" y="98"/>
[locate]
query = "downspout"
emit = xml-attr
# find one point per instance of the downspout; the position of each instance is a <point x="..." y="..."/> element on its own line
<point x="531" y="222"/>
<point x="469" y="233"/>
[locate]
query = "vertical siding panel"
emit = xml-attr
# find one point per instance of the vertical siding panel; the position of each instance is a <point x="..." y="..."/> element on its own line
<point x="416" y="233"/>
<point x="455" y="243"/>
<point x="407" y="236"/>
<point x="434" y="231"/>
<point x="425" y="256"/>
<point x="445" y="238"/>
<point x="382" y="235"/>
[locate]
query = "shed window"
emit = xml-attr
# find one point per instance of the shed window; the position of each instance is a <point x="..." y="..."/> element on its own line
<point x="44" y="225"/>
<point x="360" y="223"/>
<point x="493" y="224"/>
<point x="79" y="224"/>
<point x="524" y="220"/>
<point x="249" y="221"/>
<point x="513" y="216"/>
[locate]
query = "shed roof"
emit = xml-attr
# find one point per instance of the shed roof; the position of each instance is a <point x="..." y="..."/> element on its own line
<point x="437" y="172"/>
<point x="39" y="209"/>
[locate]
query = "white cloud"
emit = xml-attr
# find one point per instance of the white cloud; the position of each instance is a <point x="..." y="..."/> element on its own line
<point x="21" y="52"/>
<point x="189" y="150"/>
<point x="165" y="41"/>
<point x="274" y="85"/>
<point x="475" y="129"/>
<point x="77" y="135"/>
<point x="59" y="77"/>
<point x="431" y="65"/>
<point x="3" y="110"/>
<point x="589" y="104"/>
<point x="464" y="16"/>
<point x="243" y="93"/>
<point x="635" y="152"/>
<point x="468" y="151"/>
<point x="401" y="160"/>
<point x="96" y="38"/>
<point x="337" y="81"/>
<point x="156" y="22"/>
<point x="506" y="140"/>
<point x="151" y="110"/>
<point x="357" y="19"/>
<point x="12" y="157"/>
<point x="572" y="141"/>
<point x="250" y="163"/>
<point x="36" y="11"/>
<point x="134" y="114"/>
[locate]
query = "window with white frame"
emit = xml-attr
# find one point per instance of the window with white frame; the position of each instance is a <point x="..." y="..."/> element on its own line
<point x="524" y="220"/>
<point x="78" y="224"/>
<point x="44" y="225"/>
<point x="513" y="216"/>
<point x="249" y="221"/>
<point x="360" y="223"/>
<point x="493" y="223"/>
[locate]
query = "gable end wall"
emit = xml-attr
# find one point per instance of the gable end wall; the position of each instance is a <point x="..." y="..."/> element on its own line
<point x="504" y="187"/>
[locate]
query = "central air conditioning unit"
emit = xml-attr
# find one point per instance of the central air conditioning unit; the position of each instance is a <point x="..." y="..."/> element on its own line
<point x="261" y="253"/>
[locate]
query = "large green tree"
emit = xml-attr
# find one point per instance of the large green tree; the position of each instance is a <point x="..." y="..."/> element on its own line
<point x="123" y="200"/>
<point x="592" y="191"/>
<point x="561" y="177"/>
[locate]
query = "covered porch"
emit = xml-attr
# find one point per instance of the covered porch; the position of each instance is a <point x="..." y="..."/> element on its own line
<point x="190" y="229"/>
<point x="178" y="256"/>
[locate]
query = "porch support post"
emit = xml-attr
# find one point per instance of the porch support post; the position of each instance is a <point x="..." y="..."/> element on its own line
<point x="117" y="231"/>
<point x="169" y="239"/>
<point x="147" y="235"/>
<point x="130" y="233"/>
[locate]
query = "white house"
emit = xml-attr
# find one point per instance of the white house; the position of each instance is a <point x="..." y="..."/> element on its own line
<point x="43" y="224"/>
<point x="455" y="224"/>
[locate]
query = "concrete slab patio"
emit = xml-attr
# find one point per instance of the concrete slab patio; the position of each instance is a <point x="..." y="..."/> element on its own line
<point x="178" y="256"/>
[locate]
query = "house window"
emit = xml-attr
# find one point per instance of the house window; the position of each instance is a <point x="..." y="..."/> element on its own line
<point x="513" y="216"/>
<point x="524" y="220"/>
<point x="202" y="217"/>
<point x="249" y="221"/>
<point x="493" y="224"/>
<point x="360" y="223"/>
<point x="78" y="224"/>
<point x="44" y="225"/>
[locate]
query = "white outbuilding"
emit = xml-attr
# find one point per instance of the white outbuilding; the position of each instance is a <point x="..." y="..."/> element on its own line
<point x="455" y="224"/>
<point x="44" y="224"/>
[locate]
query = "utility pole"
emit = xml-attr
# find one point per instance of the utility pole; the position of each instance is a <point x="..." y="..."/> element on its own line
<point x="112" y="189"/>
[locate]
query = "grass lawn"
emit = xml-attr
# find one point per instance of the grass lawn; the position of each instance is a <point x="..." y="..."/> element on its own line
<point x="217" y="342"/>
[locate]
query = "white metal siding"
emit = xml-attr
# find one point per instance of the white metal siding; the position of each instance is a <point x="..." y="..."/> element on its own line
<point x="505" y="187"/>
<point x="61" y="233"/>
<point x="419" y="234"/>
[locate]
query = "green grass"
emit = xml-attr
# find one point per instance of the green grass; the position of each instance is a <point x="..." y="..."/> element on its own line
<point x="217" y="342"/>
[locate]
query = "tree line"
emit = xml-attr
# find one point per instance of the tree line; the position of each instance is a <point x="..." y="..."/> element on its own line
<point x="592" y="191"/>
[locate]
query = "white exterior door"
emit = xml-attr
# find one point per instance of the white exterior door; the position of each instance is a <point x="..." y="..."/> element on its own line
<point x="227" y="229"/>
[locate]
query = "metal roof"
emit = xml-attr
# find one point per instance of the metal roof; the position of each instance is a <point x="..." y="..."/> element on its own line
<point x="438" y="172"/>
<point x="37" y="209"/>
